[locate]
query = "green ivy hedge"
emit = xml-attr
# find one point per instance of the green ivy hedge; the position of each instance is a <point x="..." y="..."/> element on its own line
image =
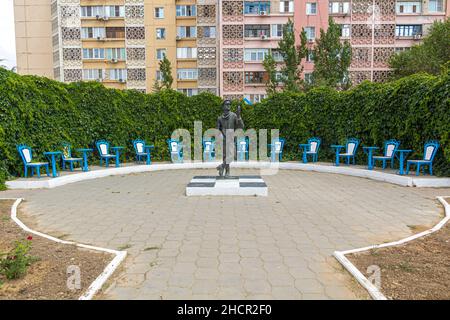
<point x="43" y="113"/>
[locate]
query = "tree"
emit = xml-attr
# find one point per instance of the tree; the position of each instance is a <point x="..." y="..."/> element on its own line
<point x="292" y="55"/>
<point x="270" y="65"/>
<point x="332" y="58"/>
<point x="430" y="56"/>
<point x="166" y="75"/>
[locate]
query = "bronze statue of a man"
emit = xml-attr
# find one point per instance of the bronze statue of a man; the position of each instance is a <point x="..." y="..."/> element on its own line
<point x="228" y="121"/>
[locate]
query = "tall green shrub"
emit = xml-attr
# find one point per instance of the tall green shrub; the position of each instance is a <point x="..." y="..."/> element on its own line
<point x="43" y="113"/>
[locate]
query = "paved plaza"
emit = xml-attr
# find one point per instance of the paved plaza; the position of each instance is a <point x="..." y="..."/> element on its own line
<point x="272" y="247"/>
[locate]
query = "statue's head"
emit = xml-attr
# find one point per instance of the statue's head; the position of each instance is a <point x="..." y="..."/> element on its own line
<point x="226" y="106"/>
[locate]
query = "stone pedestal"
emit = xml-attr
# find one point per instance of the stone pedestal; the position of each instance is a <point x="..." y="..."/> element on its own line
<point x="227" y="186"/>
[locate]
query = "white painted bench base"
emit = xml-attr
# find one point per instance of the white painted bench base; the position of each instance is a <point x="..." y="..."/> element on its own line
<point x="266" y="167"/>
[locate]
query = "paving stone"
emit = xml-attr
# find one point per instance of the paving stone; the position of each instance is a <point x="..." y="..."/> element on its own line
<point x="275" y="247"/>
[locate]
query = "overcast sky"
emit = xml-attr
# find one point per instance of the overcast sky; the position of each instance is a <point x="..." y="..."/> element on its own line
<point x="7" y="40"/>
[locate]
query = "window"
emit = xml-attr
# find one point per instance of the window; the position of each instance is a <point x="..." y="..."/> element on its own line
<point x="286" y="6"/>
<point x="160" y="53"/>
<point x="277" y="30"/>
<point x="277" y="56"/>
<point x="186" y="32"/>
<point x="436" y="5"/>
<point x="401" y="49"/>
<point x="186" y="11"/>
<point x="189" y="91"/>
<point x="159" y="12"/>
<point x="115" y="32"/>
<point x="257" y="7"/>
<point x="311" y="8"/>
<point x="338" y="7"/>
<point x="310" y="33"/>
<point x="308" y="77"/>
<point x="345" y="30"/>
<point x="187" y="74"/>
<point x="92" y="33"/>
<point x="409" y="7"/>
<point x="116" y="53"/>
<point x="256" y="77"/>
<point x="256" y="30"/>
<point x="93" y="74"/>
<point x="92" y="11"/>
<point x="279" y="76"/>
<point x="408" y="30"/>
<point x="159" y="76"/>
<point x="310" y="56"/>
<point x="255" y="98"/>
<point x="115" y="11"/>
<point x="209" y="32"/>
<point x="255" y="54"/>
<point x="93" y="53"/>
<point x="118" y="74"/>
<point x="160" y="33"/>
<point x="186" y="53"/>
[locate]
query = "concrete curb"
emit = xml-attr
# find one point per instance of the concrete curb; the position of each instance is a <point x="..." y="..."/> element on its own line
<point x="349" y="171"/>
<point x="375" y="292"/>
<point x="101" y="279"/>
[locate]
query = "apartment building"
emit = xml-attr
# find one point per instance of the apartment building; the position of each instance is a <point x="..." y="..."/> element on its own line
<point x="214" y="45"/>
<point x="376" y="29"/>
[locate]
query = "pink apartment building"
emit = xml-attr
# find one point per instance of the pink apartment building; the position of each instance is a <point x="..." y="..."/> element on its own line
<point x="376" y="29"/>
<point x="250" y="30"/>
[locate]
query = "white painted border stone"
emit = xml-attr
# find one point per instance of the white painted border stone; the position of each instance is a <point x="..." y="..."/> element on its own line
<point x="344" y="170"/>
<point x="102" y="278"/>
<point x="375" y="292"/>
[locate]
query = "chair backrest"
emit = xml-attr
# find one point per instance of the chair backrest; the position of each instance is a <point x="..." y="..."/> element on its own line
<point x="430" y="150"/>
<point x="102" y="147"/>
<point x="352" y="146"/>
<point x="139" y="145"/>
<point x="242" y="145"/>
<point x="208" y="146"/>
<point x="277" y="145"/>
<point x="314" y="144"/>
<point x="25" y="153"/>
<point x="390" y="148"/>
<point x="174" y="146"/>
<point x="67" y="150"/>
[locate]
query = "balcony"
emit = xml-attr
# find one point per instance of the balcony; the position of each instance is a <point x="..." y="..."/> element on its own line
<point x="255" y="8"/>
<point x="256" y="78"/>
<point x="257" y="32"/>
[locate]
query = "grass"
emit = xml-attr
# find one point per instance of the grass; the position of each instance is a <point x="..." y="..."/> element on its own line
<point x="124" y="247"/>
<point x="152" y="248"/>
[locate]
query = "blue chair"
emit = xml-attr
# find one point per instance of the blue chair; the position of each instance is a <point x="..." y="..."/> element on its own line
<point x="311" y="149"/>
<point x="139" y="148"/>
<point x="276" y="149"/>
<point x="431" y="147"/>
<point x="27" y="156"/>
<point x="175" y="150"/>
<point x="351" y="146"/>
<point x="209" y="153"/>
<point x="103" y="152"/>
<point x="390" y="148"/>
<point x="66" y="156"/>
<point x="242" y="149"/>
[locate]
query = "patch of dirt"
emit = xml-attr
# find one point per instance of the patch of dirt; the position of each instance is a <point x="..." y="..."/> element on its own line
<point x="47" y="277"/>
<point x="417" y="270"/>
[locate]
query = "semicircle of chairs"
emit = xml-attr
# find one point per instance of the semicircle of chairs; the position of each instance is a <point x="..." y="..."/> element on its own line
<point x="346" y="152"/>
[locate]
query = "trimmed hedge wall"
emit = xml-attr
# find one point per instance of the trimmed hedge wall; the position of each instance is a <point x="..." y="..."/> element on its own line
<point x="43" y="113"/>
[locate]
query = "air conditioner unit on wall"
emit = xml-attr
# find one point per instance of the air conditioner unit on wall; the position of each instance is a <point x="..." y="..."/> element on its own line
<point x="114" y="60"/>
<point x="417" y="36"/>
<point x="264" y="37"/>
<point x="263" y="13"/>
